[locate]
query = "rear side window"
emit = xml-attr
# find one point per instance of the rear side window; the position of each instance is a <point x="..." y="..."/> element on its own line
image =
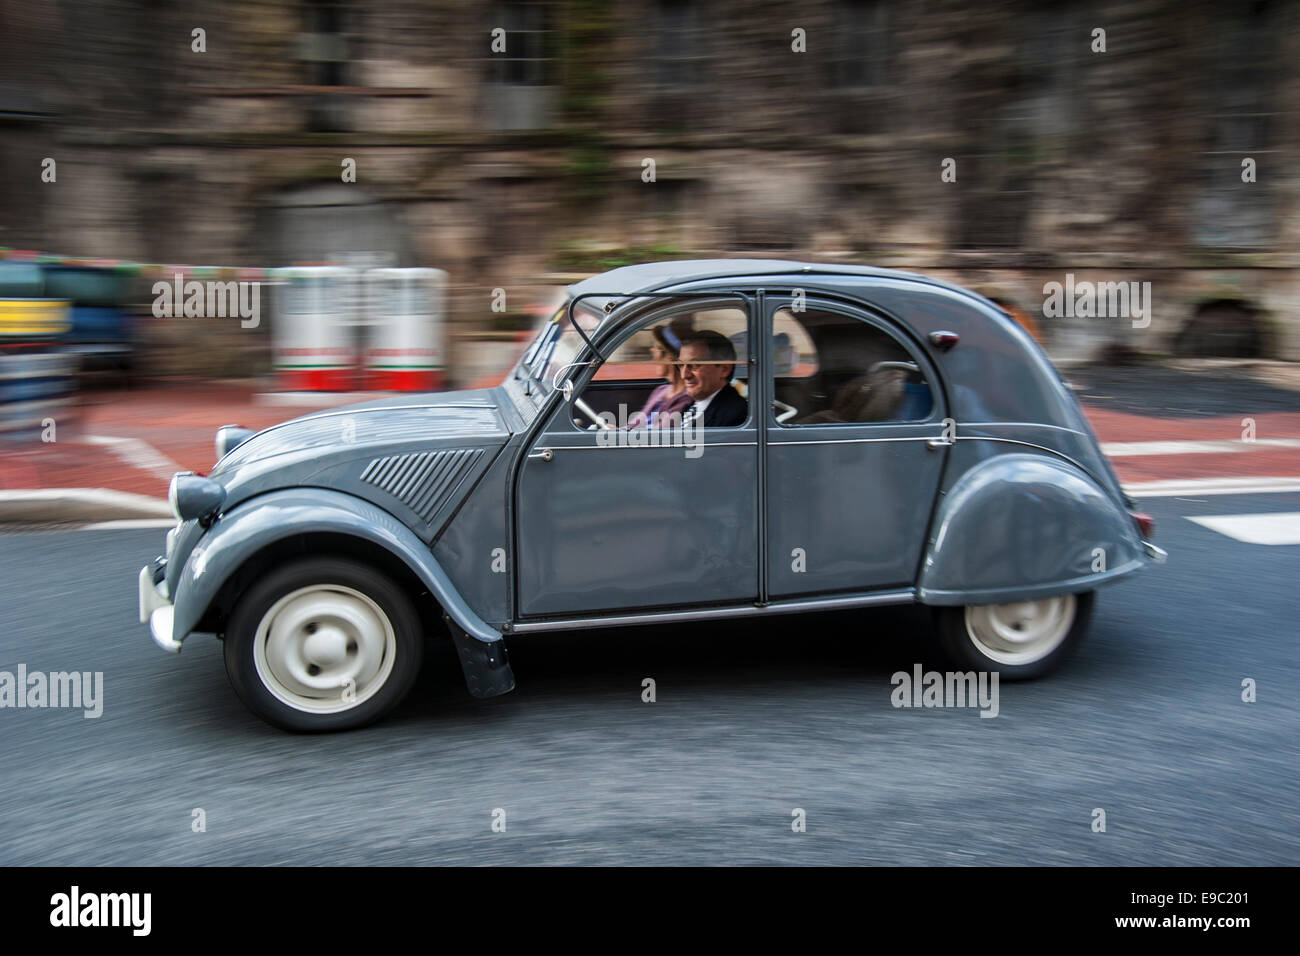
<point x="831" y="368"/>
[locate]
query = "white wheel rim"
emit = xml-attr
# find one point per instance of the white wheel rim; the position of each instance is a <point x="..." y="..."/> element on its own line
<point x="1021" y="632"/>
<point x="324" y="649"/>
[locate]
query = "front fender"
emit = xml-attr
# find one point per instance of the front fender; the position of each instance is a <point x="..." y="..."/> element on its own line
<point x="1020" y="527"/>
<point x="258" y="522"/>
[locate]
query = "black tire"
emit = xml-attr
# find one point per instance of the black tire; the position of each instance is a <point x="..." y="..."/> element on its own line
<point x="962" y="649"/>
<point x="334" y="585"/>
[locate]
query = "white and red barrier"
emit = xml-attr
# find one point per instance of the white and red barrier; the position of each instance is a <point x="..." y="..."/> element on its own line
<point x="405" y="329"/>
<point x="313" y="329"/>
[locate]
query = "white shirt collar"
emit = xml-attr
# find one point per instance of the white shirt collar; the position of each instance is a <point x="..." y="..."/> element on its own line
<point x="703" y="403"/>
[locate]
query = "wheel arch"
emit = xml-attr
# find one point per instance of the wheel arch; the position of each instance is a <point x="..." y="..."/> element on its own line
<point x="320" y="544"/>
<point x="281" y="524"/>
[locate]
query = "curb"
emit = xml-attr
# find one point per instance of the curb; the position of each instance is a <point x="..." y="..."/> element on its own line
<point x="78" y="504"/>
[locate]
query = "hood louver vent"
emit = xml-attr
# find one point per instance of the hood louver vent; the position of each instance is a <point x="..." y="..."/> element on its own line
<point x="421" y="480"/>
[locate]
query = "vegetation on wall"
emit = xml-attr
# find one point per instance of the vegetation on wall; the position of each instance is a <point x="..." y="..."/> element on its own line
<point x="589" y="31"/>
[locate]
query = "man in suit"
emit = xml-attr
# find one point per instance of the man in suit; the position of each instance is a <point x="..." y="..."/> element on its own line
<point x="707" y="359"/>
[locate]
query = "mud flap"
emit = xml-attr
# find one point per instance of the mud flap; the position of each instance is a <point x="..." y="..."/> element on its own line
<point x="486" y="666"/>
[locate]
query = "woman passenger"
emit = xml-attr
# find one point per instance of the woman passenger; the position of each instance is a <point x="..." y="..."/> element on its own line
<point x="672" y="395"/>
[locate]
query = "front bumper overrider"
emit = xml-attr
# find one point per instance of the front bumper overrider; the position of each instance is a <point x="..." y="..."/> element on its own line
<point x="155" y="604"/>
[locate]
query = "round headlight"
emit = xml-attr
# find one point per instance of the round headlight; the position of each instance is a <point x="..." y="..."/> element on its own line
<point x="193" y="497"/>
<point x="230" y="437"/>
<point x="171" y="493"/>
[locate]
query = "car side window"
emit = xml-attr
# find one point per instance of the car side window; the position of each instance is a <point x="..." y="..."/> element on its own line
<point x="643" y="376"/>
<point x="831" y="368"/>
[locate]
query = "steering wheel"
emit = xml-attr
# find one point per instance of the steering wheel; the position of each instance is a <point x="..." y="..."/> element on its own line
<point x="902" y="366"/>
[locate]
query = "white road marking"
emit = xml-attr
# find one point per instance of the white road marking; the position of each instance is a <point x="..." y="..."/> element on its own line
<point x="1282" y="527"/>
<point x="137" y="454"/>
<point x="1127" y="449"/>
<point x="1177" y="487"/>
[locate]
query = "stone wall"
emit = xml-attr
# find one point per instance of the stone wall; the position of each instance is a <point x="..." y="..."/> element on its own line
<point x="1111" y="166"/>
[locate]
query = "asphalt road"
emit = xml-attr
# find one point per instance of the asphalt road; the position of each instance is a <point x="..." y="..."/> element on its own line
<point x="1146" y="723"/>
<point x="1163" y="392"/>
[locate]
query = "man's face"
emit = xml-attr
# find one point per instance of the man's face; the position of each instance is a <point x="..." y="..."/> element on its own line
<point x="701" y="380"/>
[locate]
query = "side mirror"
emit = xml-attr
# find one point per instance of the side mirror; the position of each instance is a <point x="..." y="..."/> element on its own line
<point x="567" y="388"/>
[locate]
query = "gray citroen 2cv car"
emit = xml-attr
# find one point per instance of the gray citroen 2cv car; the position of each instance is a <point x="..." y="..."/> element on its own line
<point x="681" y="441"/>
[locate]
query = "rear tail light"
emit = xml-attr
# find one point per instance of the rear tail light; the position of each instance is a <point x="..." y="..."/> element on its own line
<point x="944" y="340"/>
<point x="1146" y="524"/>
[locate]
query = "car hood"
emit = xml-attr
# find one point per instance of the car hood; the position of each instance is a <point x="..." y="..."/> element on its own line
<point x="444" y="418"/>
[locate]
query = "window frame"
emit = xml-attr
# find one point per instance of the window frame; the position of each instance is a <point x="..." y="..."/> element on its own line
<point x="855" y="42"/>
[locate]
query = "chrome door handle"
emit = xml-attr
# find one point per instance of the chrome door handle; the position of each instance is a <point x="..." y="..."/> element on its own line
<point x="545" y="454"/>
<point x="935" y="443"/>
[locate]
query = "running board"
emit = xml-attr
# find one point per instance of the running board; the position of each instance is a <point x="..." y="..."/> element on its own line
<point x="901" y="596"/>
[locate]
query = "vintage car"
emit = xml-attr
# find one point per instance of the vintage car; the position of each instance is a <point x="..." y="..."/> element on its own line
<point x="883" y="438"/>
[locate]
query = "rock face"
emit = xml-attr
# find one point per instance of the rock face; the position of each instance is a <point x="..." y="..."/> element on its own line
<point x="1003" y="145"/>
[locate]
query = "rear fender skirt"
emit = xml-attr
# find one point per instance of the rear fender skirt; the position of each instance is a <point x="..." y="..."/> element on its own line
<point x="1024" y="526"/>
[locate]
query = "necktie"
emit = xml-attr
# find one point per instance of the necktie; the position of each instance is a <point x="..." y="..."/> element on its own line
<point x="689" y="418"/>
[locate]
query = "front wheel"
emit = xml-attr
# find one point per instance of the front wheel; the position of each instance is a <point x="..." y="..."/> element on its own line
<point x="323" y="644"/>
<point x="1020" y="640"/>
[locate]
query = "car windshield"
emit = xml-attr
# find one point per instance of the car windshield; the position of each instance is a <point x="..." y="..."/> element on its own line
<point x="557" y="344"/>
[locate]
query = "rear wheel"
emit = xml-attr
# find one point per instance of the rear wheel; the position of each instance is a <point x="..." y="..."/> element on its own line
<point x="323" y="644"/>
<point x="1020" y="640"/>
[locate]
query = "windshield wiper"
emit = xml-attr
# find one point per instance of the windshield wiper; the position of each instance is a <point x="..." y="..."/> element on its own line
<point x="528" y="384"/>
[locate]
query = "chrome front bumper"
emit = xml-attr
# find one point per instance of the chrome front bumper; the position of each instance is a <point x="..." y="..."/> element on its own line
<point x="156" y="606"/>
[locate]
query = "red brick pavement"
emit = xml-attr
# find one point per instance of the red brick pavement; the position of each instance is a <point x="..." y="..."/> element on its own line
<point x="177" y="422"/>
<point x="176" y="426"/>
<point x="1260" y="462"/>
<point x="1122" y="426"/>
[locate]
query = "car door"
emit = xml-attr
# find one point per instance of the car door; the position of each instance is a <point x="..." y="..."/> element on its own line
<point x="639" y="518"/>
<point x="852" y="460"/>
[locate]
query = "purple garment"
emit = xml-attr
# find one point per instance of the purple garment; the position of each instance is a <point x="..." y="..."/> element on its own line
<point x="660" y="403"/>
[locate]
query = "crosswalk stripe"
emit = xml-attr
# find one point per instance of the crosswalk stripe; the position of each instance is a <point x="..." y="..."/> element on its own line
<point x="1279" y="528"/>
